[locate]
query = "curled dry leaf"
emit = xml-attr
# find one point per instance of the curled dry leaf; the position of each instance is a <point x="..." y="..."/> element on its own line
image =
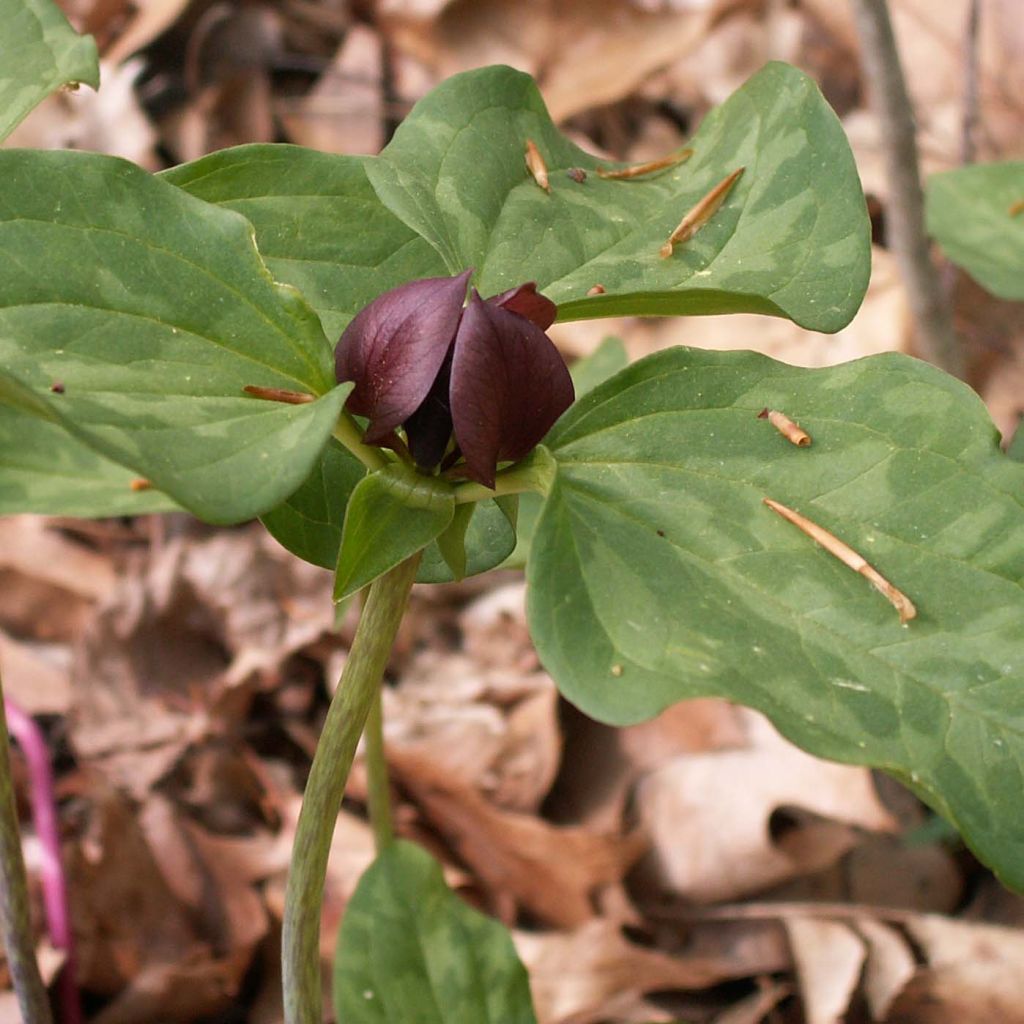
<point x="974" y="974"/>
<point x="552" y="872"/>
<point x="583" y="975"/>
<point x="708" y="815"/>
<point x="890" y="965"/>
<point x="829" y="956"/>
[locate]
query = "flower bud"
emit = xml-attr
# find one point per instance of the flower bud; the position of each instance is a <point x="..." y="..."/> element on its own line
<point x="482" y="382"/>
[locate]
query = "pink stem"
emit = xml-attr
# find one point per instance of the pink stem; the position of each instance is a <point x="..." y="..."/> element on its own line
<point x="44" y="816"/>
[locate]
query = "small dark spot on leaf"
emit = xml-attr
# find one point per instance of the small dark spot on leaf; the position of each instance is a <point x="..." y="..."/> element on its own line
<point x="57" y="387"/>
<point x="577" y="174"/>
<point x="661" y="533"/>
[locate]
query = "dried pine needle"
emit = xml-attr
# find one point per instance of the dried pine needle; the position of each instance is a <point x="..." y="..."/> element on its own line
<point x="701" y="213"/>
<point x="639" y="170"/>
<point x="536" y="166"/>
<point x="279" y="395"/>
<point x="790" y="430"/>
<point x="834" y="546"/>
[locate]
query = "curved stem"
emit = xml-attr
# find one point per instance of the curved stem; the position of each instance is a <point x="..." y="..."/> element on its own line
<point x="325" y="788"/>
<point x="347" y="432"/>
<point x="55" y="891"/>
<point x="377" y="788"/>
<point x="14" y="906"/>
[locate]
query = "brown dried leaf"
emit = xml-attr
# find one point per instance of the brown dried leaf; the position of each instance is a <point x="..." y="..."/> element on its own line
<point x="829" y="956"/>
<point x="584" y="53"/>
<point x="708" y="815"/>
<point x="890" y="965"/>
<point x="48" y="584"/>
<point x="585" y="975"/>
<point x="553" y="872"/>
<point x="344" y="112"/>
<point x="36" y="676"/>
<point x="975" y="974"/>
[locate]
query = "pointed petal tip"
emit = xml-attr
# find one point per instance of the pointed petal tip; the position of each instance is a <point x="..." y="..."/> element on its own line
<point x="527" y="301"/>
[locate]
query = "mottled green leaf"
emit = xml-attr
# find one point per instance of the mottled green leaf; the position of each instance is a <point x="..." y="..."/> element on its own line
<point x="605" y="361"/>
<point x="657" y="572"/>
<point x="977" y="215"/>
<point x="319" y="225"/>
<point x="1016" y="448"/>
<point x="792" y="239"/>
<point x="39" y="52"/>
<point x="391" y="514"/>
<point x="409" y="950"/>
<point x="45" y="470"/>
<point x="154" y="311"/>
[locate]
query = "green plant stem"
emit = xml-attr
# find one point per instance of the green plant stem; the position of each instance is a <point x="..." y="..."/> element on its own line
<point x="347" y="432"/>
<point x="14" y="905"/>
<point x="378" y="792"/>
<point x="351" y="705"/>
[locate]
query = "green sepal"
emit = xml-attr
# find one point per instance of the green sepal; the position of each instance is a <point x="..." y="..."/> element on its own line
<point x="489" y="538"/>
<point x="391" y="514"/>
<point x="452" y="542"/>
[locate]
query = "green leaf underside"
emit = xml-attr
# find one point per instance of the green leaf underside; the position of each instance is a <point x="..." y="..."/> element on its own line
<point x="791" y="239"/>
<point x="39" y="52"/>
<point x="391" y="514"/>
<point x="657" y="573"/>
<point x="410" y="950"/>
<point x="154" y="311"/>
<point x="969" y="213"/>
<point x="319" y="224"/>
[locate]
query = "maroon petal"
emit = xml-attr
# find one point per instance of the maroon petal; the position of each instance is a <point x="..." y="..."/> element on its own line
<point x="527" y="301"/>
<point x="429" y="428"/>
<point x="395" y="347"/>
<point x="509" y="385"/>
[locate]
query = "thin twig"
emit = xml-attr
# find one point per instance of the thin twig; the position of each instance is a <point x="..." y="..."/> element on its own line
<point x="850" y="558"/>
<point x="969" y="116"/>
<point x="14" y="907"/>
<point x="933" y="325"/>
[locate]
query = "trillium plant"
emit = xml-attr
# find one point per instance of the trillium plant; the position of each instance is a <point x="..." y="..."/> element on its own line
<point x="354" y="350"/>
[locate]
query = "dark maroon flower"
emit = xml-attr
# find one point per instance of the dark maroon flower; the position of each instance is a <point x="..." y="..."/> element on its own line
<point x="484" y="375"/>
